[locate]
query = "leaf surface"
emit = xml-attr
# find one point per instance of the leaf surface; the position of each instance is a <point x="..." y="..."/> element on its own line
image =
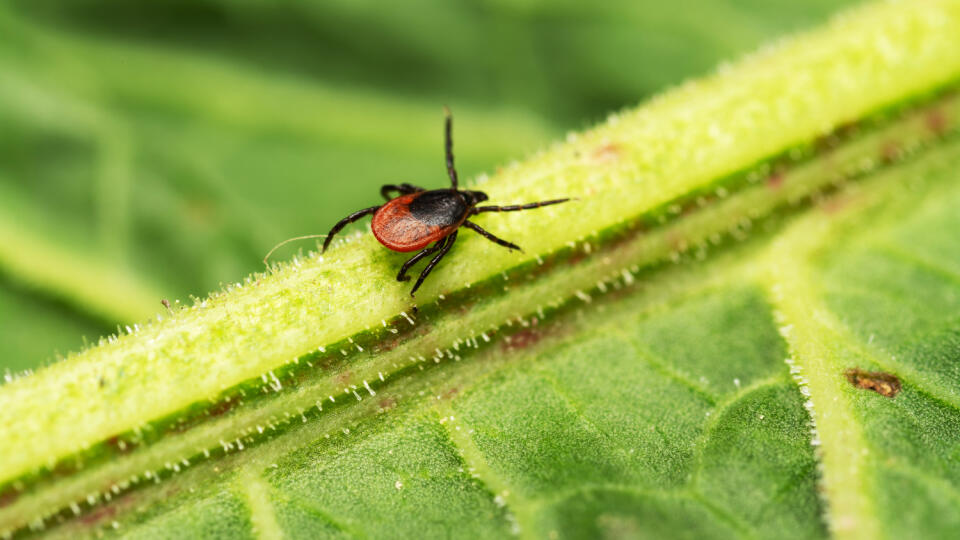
<point x="625" y="376"/>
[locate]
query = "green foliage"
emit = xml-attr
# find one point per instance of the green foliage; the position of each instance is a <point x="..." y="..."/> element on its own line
<point x="881" y="302"/>
<point x="623" y="377"/>
<point x="170" y="145"/>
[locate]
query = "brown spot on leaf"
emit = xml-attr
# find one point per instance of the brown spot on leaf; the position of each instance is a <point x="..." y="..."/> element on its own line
<point x="885" y="384"/>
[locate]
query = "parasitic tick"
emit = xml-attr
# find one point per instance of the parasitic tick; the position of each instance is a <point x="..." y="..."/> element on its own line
<point x="416" y="217"/>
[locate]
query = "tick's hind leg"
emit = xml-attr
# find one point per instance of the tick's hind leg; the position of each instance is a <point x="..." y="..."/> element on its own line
<point x="402" y="189"/>
<point x="492" y="238"/>
<point x="346" y="221"/>
<point x="402" y="276"/>
<point x="515" y="207"/>
<point x="449" y="240"/>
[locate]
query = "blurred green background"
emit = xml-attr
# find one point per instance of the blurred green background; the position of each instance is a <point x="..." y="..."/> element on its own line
<point x="158" y="149"/>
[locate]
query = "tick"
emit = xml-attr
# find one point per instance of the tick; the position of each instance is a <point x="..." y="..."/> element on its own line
<point x="415" y="217"/>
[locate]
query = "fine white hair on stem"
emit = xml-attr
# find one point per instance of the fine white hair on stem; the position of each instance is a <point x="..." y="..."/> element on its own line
<point x="287" y="241"/>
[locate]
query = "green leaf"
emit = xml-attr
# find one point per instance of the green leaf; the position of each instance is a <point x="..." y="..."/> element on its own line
<point x="884" y="301"/>
<point x="588" y="386"/>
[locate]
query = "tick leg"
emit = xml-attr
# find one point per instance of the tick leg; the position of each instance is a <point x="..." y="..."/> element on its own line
<point x="402" y="276"/>
<point x="492" y="238"/>
<point x="433" y="262"/>
<point x="346" y="221"/>
<point x="515" y="207"/>
<point x="402" y="189"/>
<point x="449" y="147"/>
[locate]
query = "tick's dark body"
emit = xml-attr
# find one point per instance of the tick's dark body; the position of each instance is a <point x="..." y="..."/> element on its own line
<point x="417" y="218"/>
<point x="410" y="222"/>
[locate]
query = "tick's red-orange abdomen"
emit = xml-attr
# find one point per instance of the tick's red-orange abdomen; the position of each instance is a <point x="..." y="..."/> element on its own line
<point x="396" y="227"/>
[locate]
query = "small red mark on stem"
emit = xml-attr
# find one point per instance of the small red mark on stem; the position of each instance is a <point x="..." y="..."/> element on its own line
<point x="836" y="204"/>
<point x="937" y="121"/>
<point x="577" y="256"/>
<point x="326" y="363"/>
<point x="222" y="408"/>
<point x="344" y="377"/>
<point x="8" y="497"/>
<point x="99" y="514"/>
<point x="120" y="445"/>
<point x="775" y="180"/>
<point x="523" y="339"/>
<point x="606" y="153"/>
<point x="890" y="152"/>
